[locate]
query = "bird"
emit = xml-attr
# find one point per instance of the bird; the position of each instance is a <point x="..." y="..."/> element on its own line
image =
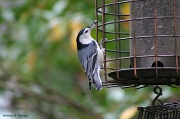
<point x="91" y="56"/>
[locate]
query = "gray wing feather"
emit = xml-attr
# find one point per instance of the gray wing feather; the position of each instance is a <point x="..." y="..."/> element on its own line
<point x="88" y="58"/>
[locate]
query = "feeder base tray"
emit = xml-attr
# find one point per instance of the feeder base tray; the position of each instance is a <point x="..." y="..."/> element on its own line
<point x="147" y="76"/>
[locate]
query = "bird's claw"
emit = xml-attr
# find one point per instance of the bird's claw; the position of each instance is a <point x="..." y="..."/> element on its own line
<point x="103" y="40"/>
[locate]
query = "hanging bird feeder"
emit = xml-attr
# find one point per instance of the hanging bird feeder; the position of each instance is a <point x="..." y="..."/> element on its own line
<point x="142" y="48"/>
<point x="170" y="110"/>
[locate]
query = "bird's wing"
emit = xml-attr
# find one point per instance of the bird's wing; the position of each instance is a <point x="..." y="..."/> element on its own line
<point x="88" y="58"/>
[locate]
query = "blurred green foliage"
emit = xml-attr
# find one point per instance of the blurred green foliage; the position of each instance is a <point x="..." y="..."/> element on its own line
<point x="40" y="74"/>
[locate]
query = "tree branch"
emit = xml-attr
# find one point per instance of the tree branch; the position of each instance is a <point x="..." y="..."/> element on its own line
<point x="55" y="97"/>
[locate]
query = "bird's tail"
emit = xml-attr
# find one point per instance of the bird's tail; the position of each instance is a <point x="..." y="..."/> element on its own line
<point x="96" y="78"/>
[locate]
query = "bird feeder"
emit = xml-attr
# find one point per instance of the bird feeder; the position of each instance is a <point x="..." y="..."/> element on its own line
<point x="143" y="42"/>
<point x="170" y="110"/>
<point x="151" y="31"/>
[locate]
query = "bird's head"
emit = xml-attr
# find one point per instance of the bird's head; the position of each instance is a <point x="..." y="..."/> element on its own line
<point x="85" y="33"/>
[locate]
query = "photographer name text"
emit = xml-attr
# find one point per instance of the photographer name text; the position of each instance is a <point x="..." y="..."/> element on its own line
<point x="15" y="115"/>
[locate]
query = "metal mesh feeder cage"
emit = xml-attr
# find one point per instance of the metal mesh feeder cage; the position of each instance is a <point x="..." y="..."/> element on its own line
<point x="143" y="44"/>
<point x="169" y="110"/>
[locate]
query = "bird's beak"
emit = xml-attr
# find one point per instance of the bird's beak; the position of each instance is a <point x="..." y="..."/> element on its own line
<point x="93" y="24"/>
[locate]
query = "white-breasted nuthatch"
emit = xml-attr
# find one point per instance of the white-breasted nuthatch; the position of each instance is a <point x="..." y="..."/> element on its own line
<point x="90" y="55"/>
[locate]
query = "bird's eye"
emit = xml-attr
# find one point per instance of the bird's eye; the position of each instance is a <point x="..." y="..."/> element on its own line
<point x="86" y="31"/>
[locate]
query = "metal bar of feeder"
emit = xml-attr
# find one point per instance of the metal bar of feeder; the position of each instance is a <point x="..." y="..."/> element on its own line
<point x="175" y="32"/>
<point x="104" y="36"/>
<point x="115" y="37"/>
